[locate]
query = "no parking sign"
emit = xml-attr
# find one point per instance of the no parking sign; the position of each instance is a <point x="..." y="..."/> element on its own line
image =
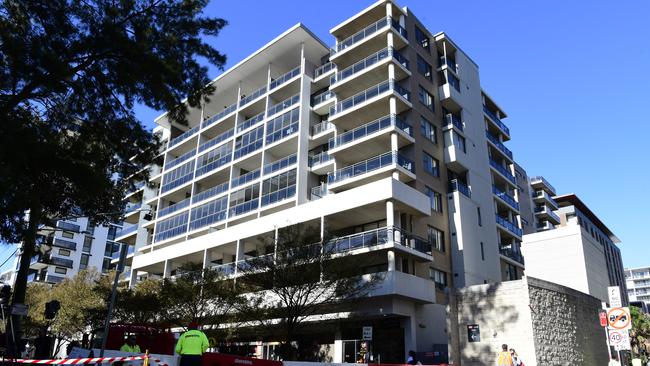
<point x="619" y="318"/>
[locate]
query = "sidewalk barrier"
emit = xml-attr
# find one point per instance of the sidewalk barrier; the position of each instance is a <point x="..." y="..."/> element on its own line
<point x="79" y="361"/>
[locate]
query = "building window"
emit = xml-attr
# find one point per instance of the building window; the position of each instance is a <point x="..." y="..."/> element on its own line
<point x="106" y="265"/>
<point x="422" y="38"/>
<point x="482" y="252"/>
<point x="424" y="68"/>
<point x="459" y="141"/>
<point x="112" y="230"/>
<point x="430" y="164"/>
<point x="478" y="214"/>
<point x="67" y="234"/>
<point x="279" y="188"/>
<point x="83" y="263"/>
<point x="90" y="228"/>
<point x="425" y="98"/>
<point x="88" y="244"/>
<point x="428" y="130"/>
<point x="64" y="252"/>
<point x="435" y="198"/>
<point x="60" y="270"/>
<point x="439" y="277"/>
<point x="436" y="238"/>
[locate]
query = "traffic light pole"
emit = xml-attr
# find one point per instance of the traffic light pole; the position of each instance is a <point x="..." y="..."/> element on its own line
<point x="109" y="315"/>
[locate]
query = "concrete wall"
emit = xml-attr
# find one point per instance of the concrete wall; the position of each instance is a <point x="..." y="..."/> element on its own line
<point x="546" y="323"/>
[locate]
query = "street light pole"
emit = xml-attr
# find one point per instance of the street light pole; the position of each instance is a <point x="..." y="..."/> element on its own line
<point x="120" y="268"/>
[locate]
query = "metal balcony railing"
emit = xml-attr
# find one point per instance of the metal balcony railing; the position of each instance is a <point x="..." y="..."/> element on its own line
<point x="507" y="198"/>
<point x="66" y="244"/>
<point x="68" y="226"/>
<point x="543" y="181"/>
<point x="505" y="172"/>
<point x="245" y="178"/>
<point x="210" y="192"/>
<point x="509" y="225"/>
<point x="456" y="185"/>
<point x="321" y="127"/>
<point x="217" y="117"/>
<point x="175" y="207"/>
<point x="320" y="158"/>
<point x="369" y="165"/>
<point x="512" y="254"/>
<point x="324" y="69"/>
<point x="254" y="95"/>
<point x="451" y="64"/>
<point x="280" y="164"/>
<point x="216" y="140"/>
<point x="369" y="128"/>
<point x="496" y="120"/>
<point x="322" y="98"/>
<point x="319" y="192"/>
<point x="126" y="231"/>
<point x="367" y="32"/>
<point x="174" y="162"/>
<point x="284" y="78"/>
<point x="368" y="62"/>
<point x="369" y="94"/>
<point x="452" y="119"/>
<point x="250" y="122"/>
<point x="499" y="144"/>
<point x="183" y="136"/>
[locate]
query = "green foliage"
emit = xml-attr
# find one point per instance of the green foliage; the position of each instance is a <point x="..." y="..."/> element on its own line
<point x="71" y="72"/>
<point x="640" y="333"/>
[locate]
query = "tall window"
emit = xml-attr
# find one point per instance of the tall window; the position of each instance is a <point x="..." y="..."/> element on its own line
<point x="60" y="270"/>
<point x="88" y="244"/>
<point x="425" y="98"/>
<point x="428" y="130"/>
<point x="431" y="165"/>
<point x="436" y="238"/>
<point x="435" y="198"/>
<point x="67" y="234"/>
<point x="83" y="262"/>
<point x="424" y="68"/>
<point x="459" y="141"/>
<point x="439" y="277"/>
<point x="422" y="38"/>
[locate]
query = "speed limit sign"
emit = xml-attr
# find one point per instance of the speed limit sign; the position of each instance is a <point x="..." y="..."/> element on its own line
<point x="615" y="337"/>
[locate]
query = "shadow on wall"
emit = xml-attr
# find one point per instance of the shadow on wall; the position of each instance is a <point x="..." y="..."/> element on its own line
<point x="489" y="316"/>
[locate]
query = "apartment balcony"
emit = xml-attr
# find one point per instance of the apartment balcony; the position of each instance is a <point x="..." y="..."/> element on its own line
<point x="245" y="179"/>
<point x="509" y="227"/>
<point x="192" y="132"/>
<point x="494" y="141"/>
<point x="545" y="213"/>
<point x="139" y="187"/>
<point x="52" y="279"/>
<point x="132" y="213"/>
<point x="505" y="198"/>
<point x="38" y="262"/>
<point x="65" y="244"/>
<point x="450" y="97"/>
<point x="319" y="192"/>
<point x="371" y="37"/>
<point x="283" y="105"/>
<point x="208" y="193"/>
<point x="375" y="99"/>
<point x="368" y="72"/>
<point x="447" y="63"/>
<point x="540" y="183"/>
<point x="404" y="285"/>
<point x="115" y="256"/>
<point x="217" y="140"/>
<point x="370" y="139"/>
<point x="545" y="225"/>
<point x="543" y="198"/>
<point x="285" y="79"/>
<point x="381" y="239"/>
<point x="321" y="163"/>
<point x="321" y="132"/>
<point x="503" y="172"/>
<point x="514" y="255"/>
<point x="172" y="162"/>
<point x="451" y="120"/>
<point x="372" y="169"/>
<point x="250" y="99"/>
<point x="221" y="115"/>
<point x="323" y="72"/>
<point x="456" y="185"/>
<point x="279" y="165"/>
<point x="68" y="226"/>
<point x="492" y="117"/>
<point x="127" y="233"/>
<point x="456" y="157"/>
<point x="322" y="102"/>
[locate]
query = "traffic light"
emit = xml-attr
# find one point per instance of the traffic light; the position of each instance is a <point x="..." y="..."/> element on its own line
<point x="51" y="308"/>
<point x="5" y="294"/>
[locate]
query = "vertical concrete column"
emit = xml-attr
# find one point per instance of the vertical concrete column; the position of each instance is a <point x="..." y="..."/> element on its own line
<point x="167" y="269"/>
<point x="338" y="347"/>
<point x="410" y="340"/>
<point x="390" y="213"/>
<point x="206" y="260"/>
<point x="239" y="253"/>
<point x="390" y="223"/>
<point x="391" y="261"/>
<point x="389" y="9"/>
<point x="133" y="278"/>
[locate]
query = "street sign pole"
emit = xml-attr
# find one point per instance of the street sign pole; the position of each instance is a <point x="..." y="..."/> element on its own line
<point x="119" y="269"/>
<point x="609" y="348"/>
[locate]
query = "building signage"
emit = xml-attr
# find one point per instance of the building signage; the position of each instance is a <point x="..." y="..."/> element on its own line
<point x="619" y="318"/>
<point x="614" y="297"/>
<point x="473" y="333"/>
<point x="367" y="334"/>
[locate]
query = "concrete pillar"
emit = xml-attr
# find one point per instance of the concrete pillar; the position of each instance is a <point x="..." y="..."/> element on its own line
<point x="410" y="340"/>
<point x="167" y="269"/>
<point x="389" y="9"/>
<point x="390" y="40"/>
<point x="338" y="347"/>
<point x="239" y="253"/>
<point x="390" y="213"/>
<point x="391" y="72"/>
<point x="392" y="105"/>
<point x="133" y="279"/>
<point x="391" y="261"/>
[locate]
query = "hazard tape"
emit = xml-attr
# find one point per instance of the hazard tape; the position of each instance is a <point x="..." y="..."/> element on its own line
<point x="79" y="361"/>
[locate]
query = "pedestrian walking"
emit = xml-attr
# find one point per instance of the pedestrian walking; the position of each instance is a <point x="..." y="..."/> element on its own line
<point x="192" y="345"/>
<point x="515" y="358"/>
<point x="504" y="358"/>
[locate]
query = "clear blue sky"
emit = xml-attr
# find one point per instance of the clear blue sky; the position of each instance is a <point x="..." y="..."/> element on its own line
<point x="574" y="78"/>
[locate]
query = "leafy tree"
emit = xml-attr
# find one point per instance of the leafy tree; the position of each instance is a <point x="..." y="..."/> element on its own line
<point x="79" y="302"/>
<point x="640" y="333"/>
<point x="141" y="304"/>
<point x="71" y="72"/>
<point x="299" y="278"/>
<point x="198" y="295"/>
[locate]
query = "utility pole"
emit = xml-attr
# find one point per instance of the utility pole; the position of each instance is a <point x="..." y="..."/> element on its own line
<point x="109" y="315"/>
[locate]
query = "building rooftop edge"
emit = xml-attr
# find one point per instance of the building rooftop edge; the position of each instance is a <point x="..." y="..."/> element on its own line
<point x="573" y="199"/>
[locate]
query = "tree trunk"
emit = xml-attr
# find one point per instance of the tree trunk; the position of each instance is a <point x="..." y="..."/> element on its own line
<point x="20" y="286"/>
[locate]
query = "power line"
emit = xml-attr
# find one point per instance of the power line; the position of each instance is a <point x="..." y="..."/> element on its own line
<point x="7" y="260"/>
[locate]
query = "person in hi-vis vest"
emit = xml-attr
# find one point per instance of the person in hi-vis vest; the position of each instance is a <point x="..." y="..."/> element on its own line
<point x="191" y="346"/>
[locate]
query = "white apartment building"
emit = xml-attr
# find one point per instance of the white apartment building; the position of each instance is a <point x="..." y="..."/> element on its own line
<point x="580" y="252"/>
<point x="637" y="281"/>
<point x="73" y="245"/>
<point x="386" y="141"/>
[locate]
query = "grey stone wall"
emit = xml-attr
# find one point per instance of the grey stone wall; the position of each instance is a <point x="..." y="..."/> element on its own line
<point x="548" y="324"/>
<point x="565" y="323"/>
